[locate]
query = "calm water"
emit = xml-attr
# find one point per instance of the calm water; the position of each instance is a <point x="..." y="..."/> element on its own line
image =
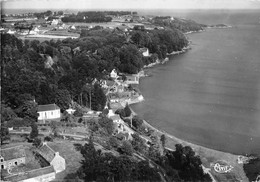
<point x="211" y="94"/>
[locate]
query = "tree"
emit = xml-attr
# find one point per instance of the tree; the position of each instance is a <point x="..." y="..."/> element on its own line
<point x="146" y="173"/>
<point x="127" y="148"/>
<point x="138" y="143"/>
<point x="7" y="113"/>
<point x="93" y="125"/>
<point x="188" y="165"/>
<point x="98" y="98"/>
<point x="54" y="125"/>
<point x="137" y="122"/>
<point x="34" y="132"/>
<point x="107" y="124"/>
<point x="93" y="166"/>
<point x="37" y="142"/>
<point x="79" y="112"/>
<point x="28" y="108"/>
<point x="63" y="99"/>
<point x="127" y="110"/>
<point x="4" y="133"/>
<point x="113" y="142"/>
<point x="130" y="59"/>
<point x="163" y="140"/>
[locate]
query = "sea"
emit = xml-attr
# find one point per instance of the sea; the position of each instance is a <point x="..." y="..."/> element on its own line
<point x="211" y="94"/>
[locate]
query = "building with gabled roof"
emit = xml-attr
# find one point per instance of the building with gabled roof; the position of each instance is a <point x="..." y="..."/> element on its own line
<point x="45" y="174"/>
<point x="113" y="74"/>
<point x="13" y="156"/>
<point x="144" y="51"/>
<point x="52" y="157"/>
<point x="48" y="112"/>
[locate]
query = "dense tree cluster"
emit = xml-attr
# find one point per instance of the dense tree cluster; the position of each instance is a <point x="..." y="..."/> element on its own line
<point x="43" y="14"/>
<point x="252" y="168"/>
<point x="160" y="42"/>
<point x="98" y="166"/>
<point x="63" y="71"/>
<point x="183" y="25"/>
<point x="183" y="165"/>
<point x="117" y="13"/>
<point x="48" y="72"/>
<point x="88" y="17"/>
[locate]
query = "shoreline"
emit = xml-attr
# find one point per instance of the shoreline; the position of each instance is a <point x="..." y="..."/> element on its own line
<point x="208" y="156"/>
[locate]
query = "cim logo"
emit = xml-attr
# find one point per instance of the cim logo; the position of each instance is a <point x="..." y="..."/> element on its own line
<point x="222" y="167"/>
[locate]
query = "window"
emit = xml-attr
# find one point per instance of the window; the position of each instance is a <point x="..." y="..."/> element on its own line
<point x="51" y="113"/>
<point x="15" y="163"/>
<point x="2" y="160"/>
<point x="21" y="160"/>
<point x="2" y="166"/>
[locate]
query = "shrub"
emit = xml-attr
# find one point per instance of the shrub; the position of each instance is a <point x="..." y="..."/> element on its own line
<point x="107" y="124"/>
<point x="34" y="132"/>
<point x="252" y="169"/>
<point x="92" y="125"/>
<point x="43" y="129"/>
<point x="37" y="142"/>
<point x="80" y="120"/>
<point x="113" y="142"/>
<point x="120" y="136"/>
<point x="48" y="139"/>
<point x="137" y="122"/>
<point x="128" y="121"/>
<point x="127" y="148"/>
<point x="127" y="110"/>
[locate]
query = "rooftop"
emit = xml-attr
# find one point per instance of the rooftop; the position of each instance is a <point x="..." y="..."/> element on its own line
<point x="31" y="174"/>
<point x="46" y="152"/>
<point x="48" y="107"/>
<point x="13" y="153"/>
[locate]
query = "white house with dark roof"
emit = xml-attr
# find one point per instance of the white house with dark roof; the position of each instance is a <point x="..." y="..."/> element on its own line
<point x="49" y="111"/>
<point x="144" y="51"/>
<point x="113" y="74"/>
<point x="13" y="156"/>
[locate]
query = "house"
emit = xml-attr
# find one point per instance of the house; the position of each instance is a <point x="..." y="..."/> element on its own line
<point x="52" y="157"/>
<point x="121" y="127"/>
<point x="70" y="111"/>
<point x="145" y="52"/>
<point x="55" y="22"/>
<point x="91" y="114"/>
<point x="13" y="156"/>
<point x="45" y="174"/>
<point x="132" y="79"/>
<point x="11" y="32"/>
<point x="47" y="112"/>
<point x="113" y="74"/>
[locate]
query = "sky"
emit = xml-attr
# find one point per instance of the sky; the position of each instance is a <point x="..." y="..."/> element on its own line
<point x="130" y="4"/>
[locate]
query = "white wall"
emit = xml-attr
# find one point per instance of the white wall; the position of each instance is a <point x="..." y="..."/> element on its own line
<point x="53" y="114"/>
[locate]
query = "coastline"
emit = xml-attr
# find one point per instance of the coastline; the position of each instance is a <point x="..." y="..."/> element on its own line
<point x="208" y="156"/>
<point x="185" y="49"/>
